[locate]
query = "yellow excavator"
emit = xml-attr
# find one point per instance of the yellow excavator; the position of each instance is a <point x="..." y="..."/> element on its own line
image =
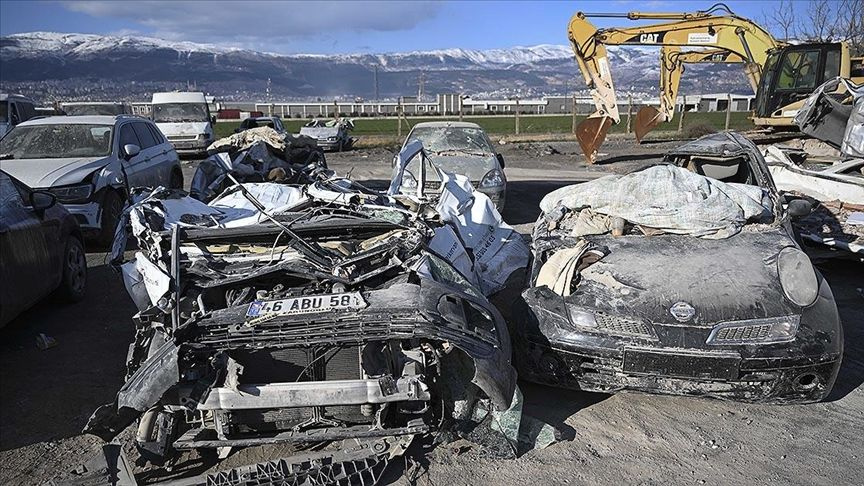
<point x="782" y="75"/>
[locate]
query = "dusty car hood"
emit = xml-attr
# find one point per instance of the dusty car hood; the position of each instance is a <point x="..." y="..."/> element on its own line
<point x="38" y="173"/>
<point x="728" y="279"/>
<point x="182" y="128"/>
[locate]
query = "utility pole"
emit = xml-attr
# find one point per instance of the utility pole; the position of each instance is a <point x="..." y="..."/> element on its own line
<point x="681" y="118"/>
<point x="517" y="114"/>
<point x="629" y="110"/>
<point x="460" y="106"/>
<point x="375" y="80"/>
<point x="574" y="113"/>
<point x="399" y="118"/>
<point x="728" y="110"/>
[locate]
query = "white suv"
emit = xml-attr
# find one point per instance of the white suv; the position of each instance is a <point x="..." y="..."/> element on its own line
<point x="90" y="163"/>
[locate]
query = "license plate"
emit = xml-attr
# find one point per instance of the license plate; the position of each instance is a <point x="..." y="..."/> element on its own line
<point x="682" y="364"/>
<point x="308" y="304"/>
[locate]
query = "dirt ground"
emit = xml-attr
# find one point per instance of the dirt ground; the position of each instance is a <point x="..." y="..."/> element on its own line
<point x="628" y="438"/>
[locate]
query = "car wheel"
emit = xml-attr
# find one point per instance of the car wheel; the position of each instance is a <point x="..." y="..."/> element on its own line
<point x="112" y="207"/>
<point x="176" y="180"/>
<point x="74" y="283"/>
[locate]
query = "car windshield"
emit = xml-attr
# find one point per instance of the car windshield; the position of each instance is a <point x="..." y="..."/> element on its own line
<point x="452" y="139"/>
<point x="57" y="141"/>
<point x="94" y="109"/>
<point x="180" y="112"/>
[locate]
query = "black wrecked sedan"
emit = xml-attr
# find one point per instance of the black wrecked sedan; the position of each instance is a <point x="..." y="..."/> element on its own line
<point x="682" y="278"/>
<point x="41" y="249"/>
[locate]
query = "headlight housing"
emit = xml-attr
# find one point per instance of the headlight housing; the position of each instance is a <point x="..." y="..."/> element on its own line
<point x="408" y="180"/>
<point x="73" y="194"/>
<point x="797" y="277"/>
<point x="493" y="178"/>
<point x="755" y="331"/>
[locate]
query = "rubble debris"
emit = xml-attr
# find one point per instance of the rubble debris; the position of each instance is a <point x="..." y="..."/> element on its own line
<point x="827" y="118"/>
<point x="720" y="303"/>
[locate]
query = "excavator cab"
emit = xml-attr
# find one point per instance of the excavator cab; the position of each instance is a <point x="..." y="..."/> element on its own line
<point x="790" y="74"/>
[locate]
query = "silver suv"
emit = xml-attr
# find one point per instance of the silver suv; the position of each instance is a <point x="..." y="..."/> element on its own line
<point x="90" y="163"/>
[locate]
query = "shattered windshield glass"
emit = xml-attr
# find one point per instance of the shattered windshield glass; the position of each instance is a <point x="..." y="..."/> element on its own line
<point x="57" y="141"/>
<point x="444" y="273"/>
<point x="452" y="139"/>
<point x="180" y="112"/>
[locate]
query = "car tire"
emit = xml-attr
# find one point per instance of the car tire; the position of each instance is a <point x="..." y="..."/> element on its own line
<point x="176" y="180"/>
<point x="74" y="284"/>
<point x="112" y="208"/>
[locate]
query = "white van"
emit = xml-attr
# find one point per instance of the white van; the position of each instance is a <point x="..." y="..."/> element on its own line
<point x="184" y="119"/>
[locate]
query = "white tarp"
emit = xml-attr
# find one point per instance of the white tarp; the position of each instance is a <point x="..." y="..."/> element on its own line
<point x="497" y="248"/>
<point x="668" y="198"/>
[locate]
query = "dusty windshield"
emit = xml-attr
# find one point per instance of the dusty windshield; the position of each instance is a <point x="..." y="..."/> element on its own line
<point x="179" y="112"/>
<point x="57" y="141"/>
<point x="94" y="109"/>
<point x="452" y="139"/>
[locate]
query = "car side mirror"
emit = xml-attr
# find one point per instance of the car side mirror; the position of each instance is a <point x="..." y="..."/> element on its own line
<point x="130" y="150"/>
<point x="42" y="201"/>
<point x="500" y="160"/>
<point x="798" y="208"/>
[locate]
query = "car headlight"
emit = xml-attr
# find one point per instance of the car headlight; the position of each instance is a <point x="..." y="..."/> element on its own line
<point x="797" y="276"/>
<point x="408" y="180"/>
<point x="493" y="178"/>
<point x="582" y="318"/>
<point x="73" y="194"/>
<point x="755" y="331"/>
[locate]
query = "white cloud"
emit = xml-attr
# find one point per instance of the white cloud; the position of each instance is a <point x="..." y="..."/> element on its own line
<point x="257" y="24"/>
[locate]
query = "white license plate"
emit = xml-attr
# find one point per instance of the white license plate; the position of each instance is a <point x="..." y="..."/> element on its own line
<point x="306" y="305"/>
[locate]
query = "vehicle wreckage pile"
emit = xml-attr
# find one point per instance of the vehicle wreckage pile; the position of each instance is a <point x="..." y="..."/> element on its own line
<point x="311" y="312"/>
<point x="300" y="309"/>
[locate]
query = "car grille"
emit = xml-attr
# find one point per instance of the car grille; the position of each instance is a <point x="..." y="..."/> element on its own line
<point x="182" y="138"/>
<point x="296" y="364"/>
<point x="612" y="324"/>
<point x="436" y="185"/>
<point x="743" y="333"/>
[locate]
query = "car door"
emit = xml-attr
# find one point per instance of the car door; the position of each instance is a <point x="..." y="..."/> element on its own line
<point x="133" y="167"/>
<point x="27" y="266"/>
<point x="153" y="166"/>
<point x="168" y="158"/>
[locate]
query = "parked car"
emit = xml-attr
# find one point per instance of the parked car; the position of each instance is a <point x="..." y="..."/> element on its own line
<point x="331" y="134"/>
<point x="78" y="108"/>
<point x="90" y="162"/>
<point x="460" y="148"/>
<point x="273" y="122"/>
<point x="41" y="249"/>
<point x="14" y="109"/>
<point x="184" y="118"/>
<point x="681" y="278"/>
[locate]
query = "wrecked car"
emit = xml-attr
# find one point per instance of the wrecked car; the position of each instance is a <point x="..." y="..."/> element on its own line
<point x="681" y="278"/>
<point x="90" y="163"/>
<point x="332" y="135"/>
<point x="308" y="314"/>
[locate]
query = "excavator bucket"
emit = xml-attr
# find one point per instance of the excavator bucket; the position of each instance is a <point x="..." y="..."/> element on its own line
<point x="647" y="119"/>
<point x="591" y="133"/>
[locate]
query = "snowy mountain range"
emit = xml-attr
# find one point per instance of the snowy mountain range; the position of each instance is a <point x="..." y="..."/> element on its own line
<point x="88" y="66"/>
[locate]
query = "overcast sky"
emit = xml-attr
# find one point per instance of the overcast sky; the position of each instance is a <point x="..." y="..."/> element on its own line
<point x="336" y="27"/>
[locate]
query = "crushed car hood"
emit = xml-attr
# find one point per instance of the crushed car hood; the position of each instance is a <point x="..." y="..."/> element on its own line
<point x="730" y="279"/>
<point x="39" y="173"/>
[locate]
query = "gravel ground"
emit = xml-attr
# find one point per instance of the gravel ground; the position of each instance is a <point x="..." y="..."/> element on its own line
<point x="629" y="438"/>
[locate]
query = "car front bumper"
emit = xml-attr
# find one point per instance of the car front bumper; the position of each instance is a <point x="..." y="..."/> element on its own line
<point x="329" y="145"/>
<point x="190" y="146"/>
<point x="777" y="380"/>
<point x="87" y="215"/>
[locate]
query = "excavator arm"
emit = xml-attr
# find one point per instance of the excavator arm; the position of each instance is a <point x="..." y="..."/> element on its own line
<point x="700" y="29"/>
<point x="672" y="61"/>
